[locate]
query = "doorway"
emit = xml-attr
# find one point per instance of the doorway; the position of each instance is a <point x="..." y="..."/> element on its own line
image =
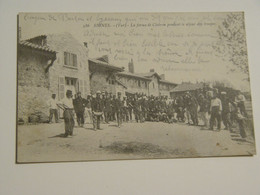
<point x="71" y="84"/>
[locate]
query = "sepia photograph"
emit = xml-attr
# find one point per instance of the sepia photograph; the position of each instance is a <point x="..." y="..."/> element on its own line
<point x="128" y="86"/>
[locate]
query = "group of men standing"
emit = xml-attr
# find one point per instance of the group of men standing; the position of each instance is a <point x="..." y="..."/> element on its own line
<point x="211" y="107"/>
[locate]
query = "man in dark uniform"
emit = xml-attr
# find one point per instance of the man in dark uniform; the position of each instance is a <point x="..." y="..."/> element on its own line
<point x="79" y="106"/>
<point x="97" y="110"/>
<point x="110" y="114"/>
<point x="135" y="108"/>
<point x="113" y="105"/>
<point x="144" y="108"/>
<point x="107" y="107"/>
<point x="194" y="110"/>
<point x="125" y="115"/>
<point x="118" y="109"/>
<point x="179" y="106"/>
<point x="129" y="101"/>
<point x="226" y="111"/>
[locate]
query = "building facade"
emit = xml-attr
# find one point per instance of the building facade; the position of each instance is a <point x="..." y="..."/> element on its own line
<point x="50" y="64"/>
<point x="184" y="87"/>
<point x="165" y="87"/>
<point x="134" y="83"/>
<point x="33" y="78"/>
<point x="103" y="76"/>
<point x="149" y="83"/>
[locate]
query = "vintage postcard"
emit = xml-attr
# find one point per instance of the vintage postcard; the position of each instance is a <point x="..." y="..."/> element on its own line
<point x="112" y="86"/>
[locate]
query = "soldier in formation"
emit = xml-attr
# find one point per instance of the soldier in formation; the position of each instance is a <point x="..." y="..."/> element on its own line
<point x="208" y="108"/>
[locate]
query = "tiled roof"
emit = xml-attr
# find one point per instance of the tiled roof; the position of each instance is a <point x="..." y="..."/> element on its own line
<point x="149" y="74"/>
<point x="35" y="46"/>
<point x="105" y="64"/>
<point x="168" y="82"/>
<point x="129" y="74"/>
<point x="119" y="82"/>
<point x="187" y="87"/>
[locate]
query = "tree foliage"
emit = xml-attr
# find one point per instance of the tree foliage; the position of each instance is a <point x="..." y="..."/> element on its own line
<point x="231" y="45"/>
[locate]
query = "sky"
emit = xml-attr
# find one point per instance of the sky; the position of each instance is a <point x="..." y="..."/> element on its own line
<point x="179" y="45"/>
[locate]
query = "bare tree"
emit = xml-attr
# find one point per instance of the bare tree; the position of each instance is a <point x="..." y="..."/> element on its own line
<point x="231" y="45"/>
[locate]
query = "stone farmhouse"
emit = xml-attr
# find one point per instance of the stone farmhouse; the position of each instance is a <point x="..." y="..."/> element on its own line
<point x="55" y="63"/>
<point x="103" y="76"/>
<point x="49" y="64"/>
<point x="150" y="83"/>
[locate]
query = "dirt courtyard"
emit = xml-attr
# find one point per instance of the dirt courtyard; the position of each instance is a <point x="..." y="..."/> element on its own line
<point x="44" y="142"/>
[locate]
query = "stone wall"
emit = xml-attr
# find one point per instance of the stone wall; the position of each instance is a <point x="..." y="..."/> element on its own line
<point x="67" y="43"/>
<point x="153" y="86"/>
<point x="33" y="83"/>
<point x="35" y="86"/>
<point x="133" y="85"/>
<point x="99" y="82"/>
<point x="165" y="88"/>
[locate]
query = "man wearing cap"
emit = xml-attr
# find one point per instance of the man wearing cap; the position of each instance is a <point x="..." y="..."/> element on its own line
<point x="215" y="111"/>
<point x="107" y="107"/>
<point x="187" y="105"/>
<point x="118" y="109"/>
<point x="68" y="113"/>
<point x="204" y="108"/>
<point x="88" y="109"/>
<point x="97" y="110"/>
<point x="53" y="108"/>
<point x="240" y="100"/>
<point x="79" y="104"/>
<point x="129" y="101"/>
<point x="125" y="115"/>
<point x="226" y="111"/>
<point x="110" y="113"/>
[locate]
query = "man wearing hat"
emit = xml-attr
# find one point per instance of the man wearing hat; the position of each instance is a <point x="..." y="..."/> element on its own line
<point x="215" y="111"/>
<point x="53" y="108"/>
<point x="204" y="108"/>
<point x="67" y="104"/>
<point x="107" y="106"/>
<point x="118" y="109"/>
<point x="97" y="110"/>
<point x="79" y="104"/>
<point x="226" y="111"/>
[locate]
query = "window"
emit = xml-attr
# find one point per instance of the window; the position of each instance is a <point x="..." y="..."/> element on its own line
<point x="70" y="59"/>
<point x="111" y="81"/>
<point x="153" y="85"/>
<point x="70" y="81"/>
<point x="139" y="83"/>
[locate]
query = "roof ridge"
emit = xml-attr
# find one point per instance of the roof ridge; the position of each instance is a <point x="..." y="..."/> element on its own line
<point x="36" y="46"/>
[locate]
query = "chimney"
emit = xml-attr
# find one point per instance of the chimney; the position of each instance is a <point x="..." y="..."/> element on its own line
<point x="131" y="66"/>
<point x="162" y="76"/>
<point x="152" y="70"/>
<point x="104" y="58"/>
<point x="86" y="45"/>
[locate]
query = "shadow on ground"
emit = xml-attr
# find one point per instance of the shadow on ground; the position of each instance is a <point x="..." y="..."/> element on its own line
<point x="62" y="135"/>
<point x="147" y="149"/>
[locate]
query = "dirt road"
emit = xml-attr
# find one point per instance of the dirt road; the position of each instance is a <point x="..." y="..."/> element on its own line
<point x="44" y="142"/>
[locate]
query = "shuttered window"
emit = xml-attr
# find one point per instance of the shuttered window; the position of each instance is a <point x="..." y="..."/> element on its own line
<point x="81" y="86"/>
<point x="61" y="87"/>
<point x="85" y="88"/>
<point x="70" y="59"/>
